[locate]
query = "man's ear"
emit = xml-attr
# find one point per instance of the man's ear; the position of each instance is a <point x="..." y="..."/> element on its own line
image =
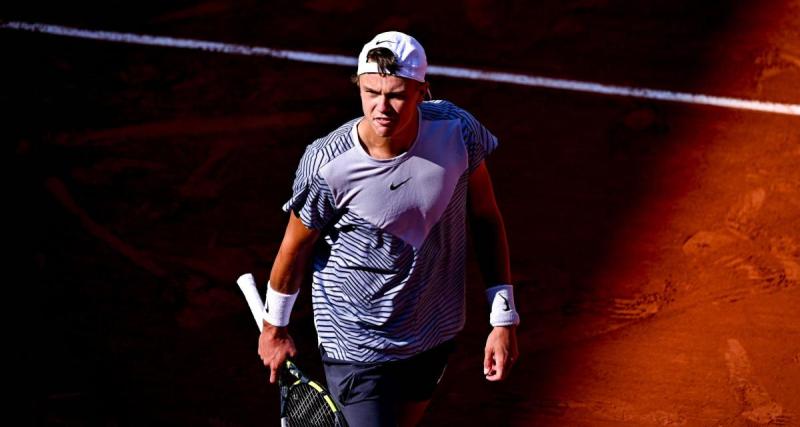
<point x="424" y="91"/>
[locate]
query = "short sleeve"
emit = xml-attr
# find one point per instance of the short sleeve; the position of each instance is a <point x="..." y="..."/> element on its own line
<point x="311" y="198"/>
<point x="480" y="142"/>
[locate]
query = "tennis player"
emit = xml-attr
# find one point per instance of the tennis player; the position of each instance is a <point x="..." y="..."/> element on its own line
<point x="379" y="212"/>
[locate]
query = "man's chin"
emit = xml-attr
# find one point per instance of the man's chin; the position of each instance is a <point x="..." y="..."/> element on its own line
<point x="383" y="131"/>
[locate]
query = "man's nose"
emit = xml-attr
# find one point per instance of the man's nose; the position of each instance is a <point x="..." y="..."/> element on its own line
<point x="383" y="104"/>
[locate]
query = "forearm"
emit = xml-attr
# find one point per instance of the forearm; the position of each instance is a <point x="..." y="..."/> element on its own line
<point x="289" y="269"/>
<point x="294" y="255"/>
<point x="285" y="279"/>
<point x="491" y="247"/>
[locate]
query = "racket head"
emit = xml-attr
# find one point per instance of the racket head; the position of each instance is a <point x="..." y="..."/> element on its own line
<point x="305" y="402"/>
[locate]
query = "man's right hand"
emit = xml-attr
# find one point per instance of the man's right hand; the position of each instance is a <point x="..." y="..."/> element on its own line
<point x="275" y="346"/>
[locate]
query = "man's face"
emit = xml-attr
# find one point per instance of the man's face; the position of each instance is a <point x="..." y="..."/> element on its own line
<point x="389" y="102"/>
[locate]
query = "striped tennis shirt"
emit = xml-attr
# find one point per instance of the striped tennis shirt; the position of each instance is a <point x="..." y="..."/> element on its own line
<point x="389" y="272"/>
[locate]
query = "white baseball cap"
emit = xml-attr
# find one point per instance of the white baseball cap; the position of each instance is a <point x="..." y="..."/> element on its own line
<point x="409" y="53"/>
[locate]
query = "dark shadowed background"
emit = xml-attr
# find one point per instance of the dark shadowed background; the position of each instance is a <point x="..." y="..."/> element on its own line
<point x="655" y="246"/>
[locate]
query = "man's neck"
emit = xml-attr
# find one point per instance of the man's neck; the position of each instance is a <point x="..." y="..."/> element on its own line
<point x="387" y="147"/>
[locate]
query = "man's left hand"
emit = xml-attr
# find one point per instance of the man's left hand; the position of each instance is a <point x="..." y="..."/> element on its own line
<point x="501" y="352"/>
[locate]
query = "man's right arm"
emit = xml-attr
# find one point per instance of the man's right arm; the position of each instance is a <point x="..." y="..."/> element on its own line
<point x="288" y="270"/>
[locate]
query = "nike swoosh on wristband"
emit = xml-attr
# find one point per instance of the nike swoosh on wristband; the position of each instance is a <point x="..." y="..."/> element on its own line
<point x="508" y="308"/>
<point x="396" y="186"/>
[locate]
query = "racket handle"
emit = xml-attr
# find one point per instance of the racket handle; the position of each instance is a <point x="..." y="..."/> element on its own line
<point x="247" y="283"/>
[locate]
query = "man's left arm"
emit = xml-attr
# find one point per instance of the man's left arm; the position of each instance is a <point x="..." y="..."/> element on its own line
<point x="491" y="246"/>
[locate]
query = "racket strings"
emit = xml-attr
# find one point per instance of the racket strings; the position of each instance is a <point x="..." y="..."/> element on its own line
<point x="305" y="406"/>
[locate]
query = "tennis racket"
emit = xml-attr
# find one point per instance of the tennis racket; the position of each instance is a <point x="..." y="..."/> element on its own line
<point x="303" y="402"/>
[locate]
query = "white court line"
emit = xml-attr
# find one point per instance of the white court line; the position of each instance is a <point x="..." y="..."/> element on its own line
<point x="455" y="72"/>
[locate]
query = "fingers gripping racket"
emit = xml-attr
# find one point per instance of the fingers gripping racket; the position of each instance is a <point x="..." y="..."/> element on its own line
<point x="303" y="402"/>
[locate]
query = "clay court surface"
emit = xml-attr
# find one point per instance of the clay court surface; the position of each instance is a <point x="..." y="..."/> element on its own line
<point x="655" y="245"/>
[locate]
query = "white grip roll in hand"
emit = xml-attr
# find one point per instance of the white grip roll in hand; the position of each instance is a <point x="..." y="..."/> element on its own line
<point x="501" y="304"/>
<point x="247" y="283"/>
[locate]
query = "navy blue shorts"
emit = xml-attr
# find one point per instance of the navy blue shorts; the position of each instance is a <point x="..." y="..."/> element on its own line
<point x="369" y="392"/>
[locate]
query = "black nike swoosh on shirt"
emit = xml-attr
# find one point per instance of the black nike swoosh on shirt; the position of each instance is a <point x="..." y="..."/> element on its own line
<point x="396" y="186"/>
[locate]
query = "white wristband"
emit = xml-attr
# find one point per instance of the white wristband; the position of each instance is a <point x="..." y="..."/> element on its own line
<point x="278" y="307"/>
<point x="501" y="303"/>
